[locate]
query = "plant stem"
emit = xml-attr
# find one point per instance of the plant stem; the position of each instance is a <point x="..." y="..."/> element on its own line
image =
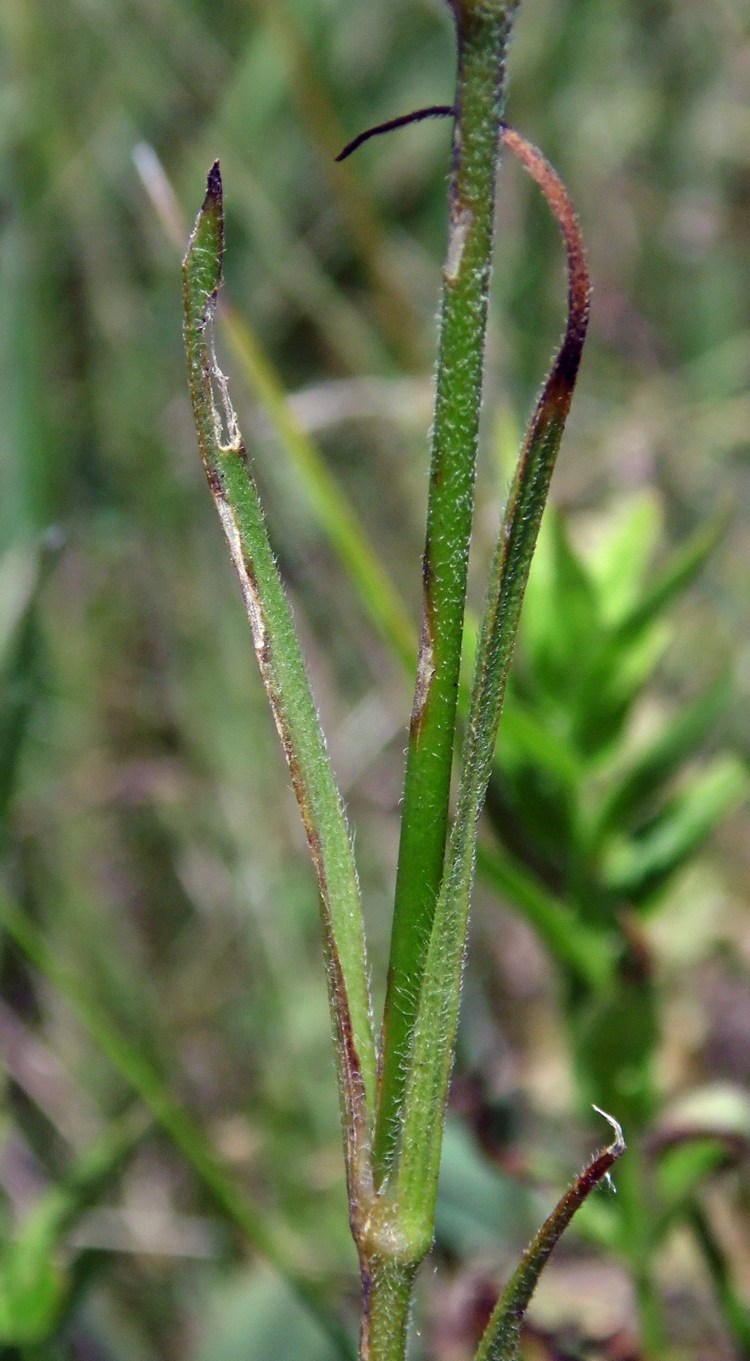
<point x="483" y="30"/>
<point x="386" y="1305"/>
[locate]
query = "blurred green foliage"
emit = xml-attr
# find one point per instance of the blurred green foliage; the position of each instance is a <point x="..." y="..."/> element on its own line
<point x="148" y="833"/>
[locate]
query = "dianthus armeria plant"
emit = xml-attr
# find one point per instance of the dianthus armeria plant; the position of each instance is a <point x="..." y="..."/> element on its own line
<point x="394" y="1084"/>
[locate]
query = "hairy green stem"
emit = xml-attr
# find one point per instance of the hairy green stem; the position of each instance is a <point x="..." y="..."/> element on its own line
<point x="483" y="30"/>
<point x="386" y="1306"/>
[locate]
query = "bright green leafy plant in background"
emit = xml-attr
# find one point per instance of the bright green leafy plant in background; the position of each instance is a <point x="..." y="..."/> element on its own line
<point x="393" y="1093"/>
<point x="595" y="826"/>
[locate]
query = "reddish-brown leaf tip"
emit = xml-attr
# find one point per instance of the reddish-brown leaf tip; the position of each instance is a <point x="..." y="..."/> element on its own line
<point x="557" y="393"/>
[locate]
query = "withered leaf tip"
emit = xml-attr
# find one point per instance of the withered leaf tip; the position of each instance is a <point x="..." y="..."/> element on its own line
<point x="213" y="183"/>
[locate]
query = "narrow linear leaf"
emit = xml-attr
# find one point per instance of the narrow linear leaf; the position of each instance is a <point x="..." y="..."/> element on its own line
<point x="622" y="559"/>
<point x="328" y="504"/>
<point x="285" y="679"/>
<point x="336" y="519"/>
<point x="686" y="1168"/>
<point x="433" y="1043"/>
<point x="530" y="739"/>
<point x="574" y="620"/>
<point x="600" y="708"/>
<point x="20" y="579"/>
<point x="501" y="1338"/>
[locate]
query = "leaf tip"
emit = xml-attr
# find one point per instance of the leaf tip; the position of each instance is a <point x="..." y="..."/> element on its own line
<point x="618" y="1145"/>
<point x="214" y="193"/>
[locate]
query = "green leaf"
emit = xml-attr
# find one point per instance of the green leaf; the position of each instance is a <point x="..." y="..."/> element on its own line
<point x="529" y="740"/>
<point x="614" y="1038"/>
<point x="284" y="677"/>
<point x="707" y="1129"/>
<point x="719" y="1264"/>
<point x="640" y="785"/>
<point x="476" y="1199"/>
<point x="20" y="578"/>
<point x="614" y="676"/>
<point x="573" y="620"/>
<point x="637" y="870"/>
<point x="327" y="502"/>
<point x="683" y="1170"/>
<point x="607" y="691"/>
<point x="32" y="1293"/>
<point x="683" y="568"/>
<point x="620" y="561"/>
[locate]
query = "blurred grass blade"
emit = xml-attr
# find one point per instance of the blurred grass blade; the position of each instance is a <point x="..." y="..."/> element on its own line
<point x="645" y="777"/>
<point x="684" y="1170"/>
<point x="393" y="303"/>
<point x="622" y="559"/>
<point x="34" y="1286"/>
<point x="639" y="869"/>
<point x="252" y="1315"/>
<point x="734" y="1309"/>
<point x="188" y="1137"/>
<point x="536" y="742"/>
<point x="433" y="1044"/>
<point x="570" y="632"/>
<point x="20" y="579"/>
<point x="285" y="679"/>
<point x="328" y="503"/>
<point x="502" y="1337"/>
<point x="580" y="950"/>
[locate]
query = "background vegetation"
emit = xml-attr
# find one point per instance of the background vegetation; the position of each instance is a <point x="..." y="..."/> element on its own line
<point x="169" y="944"/>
